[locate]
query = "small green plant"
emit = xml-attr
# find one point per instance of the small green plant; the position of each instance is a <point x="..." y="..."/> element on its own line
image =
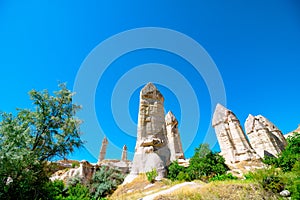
<point x="151" y="175"/>
<point x="75" y="164"/>
<point x="223" y="177"/>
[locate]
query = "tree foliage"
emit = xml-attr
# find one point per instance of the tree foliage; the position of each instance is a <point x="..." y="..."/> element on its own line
<point x="206" y="164"/>
<point x="287" y="159"/>
<point x="176" y="172"/>
<point x="203" y="165"/>
<point x="105" y="181"/>
<point x="33" y="137"/>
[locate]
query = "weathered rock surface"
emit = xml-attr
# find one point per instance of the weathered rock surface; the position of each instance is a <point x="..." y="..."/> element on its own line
<point x="103" y="150"/>
<point x="265" y="138"/>
<point x="173" y="135"/>
<point x="151" y="149"/>
<point x="232" y="140"/>
<point x="85" y="172"/>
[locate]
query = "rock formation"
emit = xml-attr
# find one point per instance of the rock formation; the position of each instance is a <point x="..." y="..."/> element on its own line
<point x="175" y="145"/>
<point x="85" y="172"/>
<point x="232" y="140"/>
<point x="151" y="149"/>
<point x="103" y="150"/>
<point x="265" y="138"/>
<point x="292" y="133"/>
<point x="124" y="153"/>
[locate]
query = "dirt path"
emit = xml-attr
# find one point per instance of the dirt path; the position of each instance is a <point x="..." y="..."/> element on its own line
<point x="170" y="190"/>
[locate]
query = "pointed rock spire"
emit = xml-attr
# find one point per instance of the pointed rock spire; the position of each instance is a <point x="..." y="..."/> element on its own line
<point x="124" y="154"/>
<point x="103" y="150"/>
<point x="175" y="145"/>
<point x="232" y="140"/>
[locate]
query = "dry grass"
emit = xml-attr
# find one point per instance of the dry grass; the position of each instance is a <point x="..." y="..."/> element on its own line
<point x="225" y="190"/>
<point x="136" y="189"/>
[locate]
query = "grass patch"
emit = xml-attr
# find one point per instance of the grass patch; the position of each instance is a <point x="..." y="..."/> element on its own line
<point x="221" y="190"/>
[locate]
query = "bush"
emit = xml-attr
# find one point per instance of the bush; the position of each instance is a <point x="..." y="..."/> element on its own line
<point x="174" y="170"/>
<point x="223" y="177"/>
<point x="270" y="179"/>
<point x="206" y="164"/>
<point x="105" y="181"/>
<point x="289" y="156"/>
<point x="78" y="192"/>
<point x="151" y="175"/>
<point x="74" y="180"/>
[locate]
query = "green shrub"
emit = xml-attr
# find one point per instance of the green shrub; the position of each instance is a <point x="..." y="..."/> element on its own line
<point x="174" y="170"/>
<point x="151" y="175"/>
<point x="223" y="177"/>
<point x="206" y="164"/>
<point x="78" y="192"/>
<point x="289" y="156"/>
<point x="55" y="189"/>
<point x="75" y="164"/>
<point x="105" y="181"/>
<point x="74" y="180"/>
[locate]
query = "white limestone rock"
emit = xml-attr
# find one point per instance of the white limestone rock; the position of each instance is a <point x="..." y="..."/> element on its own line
<point x="231" y="137"/>
<point x="151" y="149"/>
<point x="103" y="150"/>
<point x="173" y="135"/>
<point x="265" y="138"/>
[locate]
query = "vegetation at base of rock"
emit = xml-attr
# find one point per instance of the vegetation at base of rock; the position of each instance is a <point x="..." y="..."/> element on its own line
<point x="204" y="165"/>
<point x="151" y="175"/>
<point x="105" y="182"/>
<point x="284" y="171"/>
<point x="31" y="138"/>
<point x="289" y="156"/>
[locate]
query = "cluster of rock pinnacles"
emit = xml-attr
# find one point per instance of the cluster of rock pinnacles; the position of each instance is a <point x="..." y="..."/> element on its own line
<point x="265" y="139"/>
<point x="158" y="140"/>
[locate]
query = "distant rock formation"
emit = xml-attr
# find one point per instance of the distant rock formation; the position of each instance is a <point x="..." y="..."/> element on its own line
<point x="103" y="150"/>
<point x="265" y="138"/>
<point x="124" y="153"/>
<point x="174" y="144"/>
<point x="232" y="140"/>
<point x="85" y="172"/>
<point x="291" y="133"/>
<point x="151" y="149"/>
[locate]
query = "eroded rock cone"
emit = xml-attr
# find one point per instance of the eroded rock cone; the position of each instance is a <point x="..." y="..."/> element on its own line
<point x="231" y="137"/>
<point x="265" y="138"/>
<point x="151" y="151"/>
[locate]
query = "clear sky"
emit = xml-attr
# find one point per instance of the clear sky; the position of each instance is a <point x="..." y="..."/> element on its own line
<point x="254" y="46"/>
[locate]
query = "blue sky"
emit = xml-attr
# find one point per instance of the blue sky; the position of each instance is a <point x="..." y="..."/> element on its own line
<point x="255" y="46"/>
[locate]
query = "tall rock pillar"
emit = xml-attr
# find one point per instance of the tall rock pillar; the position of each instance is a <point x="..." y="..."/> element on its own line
<point x="175" y="145"/>
<point x="233" y="143"/>
<point x="151" y="149"/>
<point x="103" y="150"/>
<point x="124" y="154"/>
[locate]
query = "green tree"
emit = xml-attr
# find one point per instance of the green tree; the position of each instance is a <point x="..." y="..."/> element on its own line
<point x="33" y="137"/>
<point x="206" y="164"/>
